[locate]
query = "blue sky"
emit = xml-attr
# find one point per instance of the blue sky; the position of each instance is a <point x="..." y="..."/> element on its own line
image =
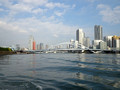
<point x="55" y="21"/>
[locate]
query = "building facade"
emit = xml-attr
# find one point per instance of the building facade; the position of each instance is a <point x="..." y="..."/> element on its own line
<point x="80" y="36"/>
<point x="98" y="33"/>
<point x="95" y="44"/>
<point x="46" y="47"/>
<point x="38" y="47"/>
<point x="73" y="44"/>
<point x="34" y="45"/>
<point x="116" y="42"/>
<point x="41" y="46"/>
<point x="87" y="42"/>
<point x="30" y="44"/>
<point x="108" y="40"/>
<point x="103" y="45"/>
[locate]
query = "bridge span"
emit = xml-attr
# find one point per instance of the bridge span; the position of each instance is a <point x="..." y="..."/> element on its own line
<point x="72" y="50"/>
<point x="87" y="51"/>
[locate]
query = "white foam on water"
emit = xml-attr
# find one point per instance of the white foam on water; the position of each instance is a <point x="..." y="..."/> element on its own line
<point x="37" y="86"/>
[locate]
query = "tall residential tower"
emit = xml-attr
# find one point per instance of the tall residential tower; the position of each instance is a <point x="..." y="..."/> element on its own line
<point x="80" y="36"/>
<point x="98" y="34"/>
<point x="30" y="44"/>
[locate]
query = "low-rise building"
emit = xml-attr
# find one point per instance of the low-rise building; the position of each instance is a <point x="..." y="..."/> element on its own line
<point x="96" y="44"/>
<point x="103" y="45"/>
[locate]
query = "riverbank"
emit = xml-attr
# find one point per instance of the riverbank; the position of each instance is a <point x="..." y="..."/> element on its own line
<point x="7" y="52"/>
<point x="61" y="51"/>
<point x="14" y="52"/>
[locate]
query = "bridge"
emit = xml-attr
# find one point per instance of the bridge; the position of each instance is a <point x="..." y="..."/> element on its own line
<point x="62" y="47"/>
<point x="72" y="50"/>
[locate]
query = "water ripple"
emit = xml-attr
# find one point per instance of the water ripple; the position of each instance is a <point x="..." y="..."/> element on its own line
<point x="60" y="72"/>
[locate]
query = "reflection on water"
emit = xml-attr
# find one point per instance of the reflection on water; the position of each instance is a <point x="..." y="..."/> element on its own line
<point x="33" y="65"/>
<point x="60" y="72"/>
<point x="100" y="69"/>
<point x="4" y="60"/>
<point x="102" y="80"/>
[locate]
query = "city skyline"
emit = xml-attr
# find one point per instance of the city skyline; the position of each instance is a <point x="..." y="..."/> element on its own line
<point x="54" y="21"/>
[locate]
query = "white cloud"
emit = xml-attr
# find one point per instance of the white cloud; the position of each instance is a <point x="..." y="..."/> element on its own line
<point x="63" y="8"/>
<point x="73" y="6"/>
<point x="11" y="34"/>
<point x="5" y="3"/>
<point x="35" y="2"/>
<point x="40" y="22"/>
<point x="91" y="0"/>
<point x="53" y="5"/>
<point x="1" y="9"/>
<point x="36" y="26"/>
<point x="58" y="13"/>
<point x="21" y="8"/>
<point x="23" y="31"/>
<point x="55" y="35"/>
<point x="109" y="15"/>
<point x="39" y="10"/>
<point x="11" y="27"/>
<point x="35" y="7"/>
<point x="49" y="19"/>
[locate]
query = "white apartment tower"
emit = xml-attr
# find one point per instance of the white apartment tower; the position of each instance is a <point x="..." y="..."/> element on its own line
<point x="98" y="34"/>
<point x="30" y="43"/>
<point x="80" y="36"/>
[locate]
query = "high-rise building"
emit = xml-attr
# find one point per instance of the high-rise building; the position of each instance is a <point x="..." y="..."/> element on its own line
<point x="38" y="47"/>
<point x="98" y="34"/>
<point x="34" y="45"/>
<point x="46" y="46"/>
<point x="80" y="36"/>
<point x="30" y="44"/>
<point x="108" y="40"/>
<point x="87" y="42"/>
<point x="41" y="46"/>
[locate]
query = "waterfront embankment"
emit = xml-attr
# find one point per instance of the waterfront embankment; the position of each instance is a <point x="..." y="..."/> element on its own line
<point x="7" y="52"/>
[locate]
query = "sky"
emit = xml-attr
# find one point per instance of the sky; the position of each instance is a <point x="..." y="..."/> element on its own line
<point x="55" y="21"/>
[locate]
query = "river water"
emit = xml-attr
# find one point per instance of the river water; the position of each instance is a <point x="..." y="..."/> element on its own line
<point x="60" y="72"/>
